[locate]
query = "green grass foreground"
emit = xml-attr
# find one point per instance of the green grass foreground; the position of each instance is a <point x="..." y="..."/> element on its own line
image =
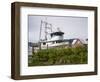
<point x="59" y="56"/>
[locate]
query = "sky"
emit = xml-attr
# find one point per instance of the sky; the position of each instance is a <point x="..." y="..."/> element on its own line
<point x="73" y="27"/>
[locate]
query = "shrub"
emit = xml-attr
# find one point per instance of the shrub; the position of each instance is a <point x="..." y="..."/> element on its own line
<point x="59" y="56"/>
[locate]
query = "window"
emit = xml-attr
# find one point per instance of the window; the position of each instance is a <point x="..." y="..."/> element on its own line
<point x="53" y="42"/>
<point x="44" y="43"/>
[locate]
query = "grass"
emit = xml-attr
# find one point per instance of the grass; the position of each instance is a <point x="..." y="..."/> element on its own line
<point x="59" y="56"/>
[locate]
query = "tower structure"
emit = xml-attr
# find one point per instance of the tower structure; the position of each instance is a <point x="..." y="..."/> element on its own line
<point x="45" y="28"/>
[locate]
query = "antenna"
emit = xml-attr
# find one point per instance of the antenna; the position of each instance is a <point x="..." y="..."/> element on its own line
<point x="58" y="29"/>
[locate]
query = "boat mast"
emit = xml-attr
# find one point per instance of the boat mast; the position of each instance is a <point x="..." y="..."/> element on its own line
<point x="45" y="26"/>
